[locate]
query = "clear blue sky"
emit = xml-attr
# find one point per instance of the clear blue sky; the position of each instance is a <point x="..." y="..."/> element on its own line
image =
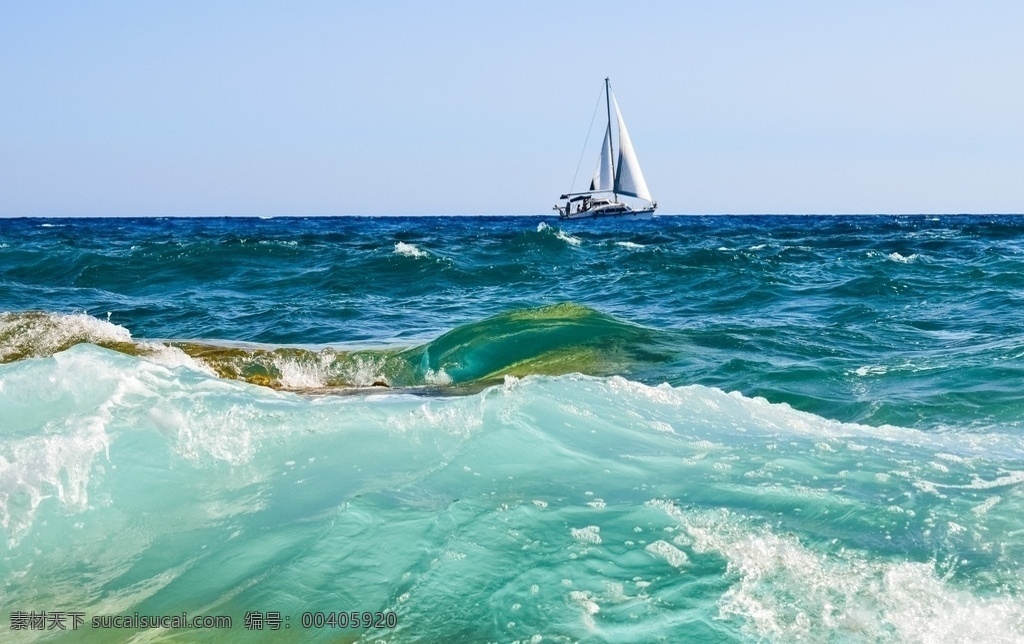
<point x="318" y="108"/>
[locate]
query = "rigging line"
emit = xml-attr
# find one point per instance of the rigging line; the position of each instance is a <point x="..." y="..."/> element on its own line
<point x="593" y="116"/>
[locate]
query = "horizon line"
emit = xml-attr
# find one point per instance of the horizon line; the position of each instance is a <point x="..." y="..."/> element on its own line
<point x="535" y="215"/>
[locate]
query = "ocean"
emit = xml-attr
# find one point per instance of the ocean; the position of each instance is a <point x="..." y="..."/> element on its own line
<point x="512" y="429"/>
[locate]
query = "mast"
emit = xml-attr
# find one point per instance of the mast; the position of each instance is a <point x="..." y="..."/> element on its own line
<point x="608" y="106"/>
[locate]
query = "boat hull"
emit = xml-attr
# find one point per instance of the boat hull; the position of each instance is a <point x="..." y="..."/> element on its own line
<point x="646" y="213"/>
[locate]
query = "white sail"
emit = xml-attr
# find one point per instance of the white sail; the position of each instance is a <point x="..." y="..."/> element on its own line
<point x="603" y="179"/>
<point x="629" y="180"/>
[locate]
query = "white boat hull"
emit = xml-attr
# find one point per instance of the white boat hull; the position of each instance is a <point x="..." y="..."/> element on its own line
<point x="646" y="213"/>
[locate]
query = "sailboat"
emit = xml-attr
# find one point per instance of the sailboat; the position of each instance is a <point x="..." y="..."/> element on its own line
<point x="612" y="179"/>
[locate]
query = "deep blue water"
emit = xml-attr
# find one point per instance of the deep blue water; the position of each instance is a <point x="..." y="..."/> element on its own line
<point x="731" y="428"/>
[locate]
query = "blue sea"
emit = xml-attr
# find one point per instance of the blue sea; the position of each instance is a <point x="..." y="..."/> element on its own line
<point x="512" y="429"/>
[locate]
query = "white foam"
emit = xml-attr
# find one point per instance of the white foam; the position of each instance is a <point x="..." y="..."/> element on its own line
<point x="567" y="238"/>
<point x="630" y="245"/>
<point x="55" y="465"/>
<point x="300" y="375"/>
<point x="978" y="483"/>
<point x="660" y="426"/>
<point x="871" y="370"/>
<point x="896" y="257"/>
<point x="409" y="250"/>
<point x="204" y="417"/>
<point x="312" y="371"/>
<point x="231" y="433"/>
<point x="673" y="555"/>
<point x="739" y="413"/>
<point x="439" y="377"/>
<point x="459" y="418"/>
<point x="585" y="599"/>
<point x="57" y="459"/>
<point x="170" y="356"/>
<point x="782" y="591"/>
<point x="986" y="505"/>
<point x="587" y="534"/>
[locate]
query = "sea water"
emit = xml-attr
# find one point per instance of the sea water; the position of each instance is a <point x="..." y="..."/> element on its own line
<point x="512" y="429"/>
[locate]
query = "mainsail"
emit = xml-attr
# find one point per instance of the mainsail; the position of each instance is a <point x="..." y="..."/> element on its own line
<point x="629" y="180"/>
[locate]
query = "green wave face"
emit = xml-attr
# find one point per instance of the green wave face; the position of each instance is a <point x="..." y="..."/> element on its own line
<point x="549" y="340"/>
<point x="552" y="340"/>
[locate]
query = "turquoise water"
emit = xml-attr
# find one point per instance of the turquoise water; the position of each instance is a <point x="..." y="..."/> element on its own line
<point x="512" y="429"/>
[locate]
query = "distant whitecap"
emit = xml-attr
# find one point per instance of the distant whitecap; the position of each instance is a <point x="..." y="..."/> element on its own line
<point x="409" y="250"/>
<point x="630" y="245"/>
<point x="897" y="257"/>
